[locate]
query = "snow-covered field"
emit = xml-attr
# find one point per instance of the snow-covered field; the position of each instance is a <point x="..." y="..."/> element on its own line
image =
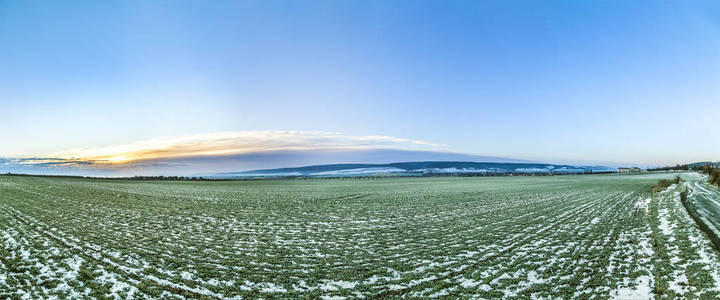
<point x="588" y="236"/>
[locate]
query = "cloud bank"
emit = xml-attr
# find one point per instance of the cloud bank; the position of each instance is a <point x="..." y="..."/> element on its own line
<point x="220" y="152"/>
<point x="226" y="143"/>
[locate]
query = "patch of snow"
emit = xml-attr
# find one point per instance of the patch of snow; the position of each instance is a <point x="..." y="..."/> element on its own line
<point x="643" y="290"/>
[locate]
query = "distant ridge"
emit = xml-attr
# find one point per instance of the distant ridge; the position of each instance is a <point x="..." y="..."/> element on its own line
<point x="423" y="168"/>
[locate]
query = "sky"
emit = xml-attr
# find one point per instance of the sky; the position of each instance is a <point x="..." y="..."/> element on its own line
<point x="585" y="82"/>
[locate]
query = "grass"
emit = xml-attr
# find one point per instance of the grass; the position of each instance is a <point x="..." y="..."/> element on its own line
<point x="546" y="237"/>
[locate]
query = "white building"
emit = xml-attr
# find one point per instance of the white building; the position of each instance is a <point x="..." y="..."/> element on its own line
<point x="629" y="170"/>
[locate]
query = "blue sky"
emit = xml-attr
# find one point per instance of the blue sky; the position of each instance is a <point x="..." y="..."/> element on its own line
<point x="579" y="82"/>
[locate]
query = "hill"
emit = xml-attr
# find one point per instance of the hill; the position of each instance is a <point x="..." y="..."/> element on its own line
<point x="425" y="168"/>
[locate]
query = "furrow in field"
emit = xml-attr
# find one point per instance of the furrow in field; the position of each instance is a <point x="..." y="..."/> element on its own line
<point x="531" y="267"/>
<point x="538" y="233"/>
<point x="90" y="254"/>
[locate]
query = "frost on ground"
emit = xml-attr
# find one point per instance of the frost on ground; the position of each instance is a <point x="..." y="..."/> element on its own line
<point x="602" y="236"/>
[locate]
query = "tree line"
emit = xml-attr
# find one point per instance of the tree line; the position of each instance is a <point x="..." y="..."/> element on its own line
<point x="678" y="167"/>
<point x="703" y="168"/>
<point x="174" y="178"/>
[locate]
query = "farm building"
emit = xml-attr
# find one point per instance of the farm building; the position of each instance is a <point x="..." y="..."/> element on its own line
<point x="629" y="170"/>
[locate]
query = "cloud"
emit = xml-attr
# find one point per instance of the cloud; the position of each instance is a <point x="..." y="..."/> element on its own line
<point x="43" y="161"/>
<point x="226" y="143"/>
<point x="214" y="144"/>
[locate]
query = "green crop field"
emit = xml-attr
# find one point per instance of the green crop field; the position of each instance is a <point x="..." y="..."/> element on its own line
<point x="585" y="236"/>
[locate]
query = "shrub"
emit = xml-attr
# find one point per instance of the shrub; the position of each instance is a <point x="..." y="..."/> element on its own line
<point x="663" y="184"/>
<point x="714" y="176"/>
